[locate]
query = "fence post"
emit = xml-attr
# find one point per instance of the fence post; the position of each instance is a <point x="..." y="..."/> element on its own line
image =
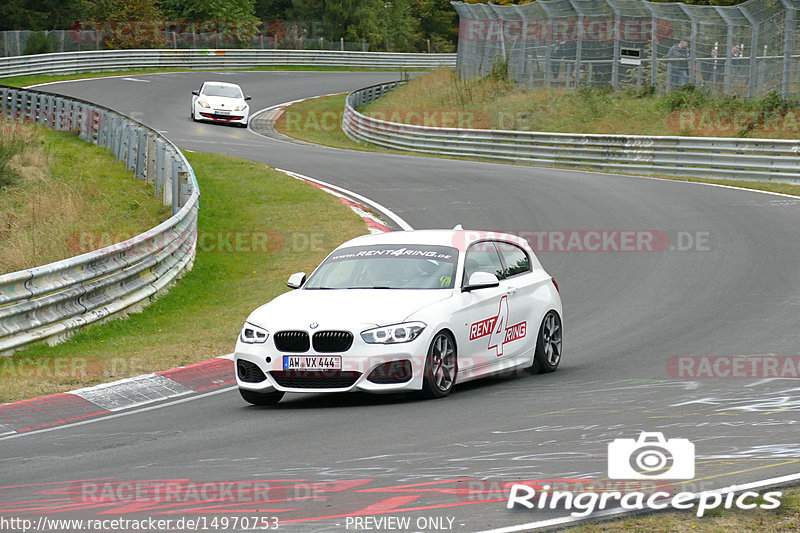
<point x="788" y="34"/>
<point x="160" y="174"/>
<point x="548" y="45"/>
<point x="653" y="49"/>
<point x="3" y="101"/>
<point x="59" y="118"/>
<point x="141" y="153"/>
<point x="184" y="187"/>
<point x="167" y="169"/>
<point x="150" y="165"/>
<point x="102" y="130"/>
<point x="176" y="183"/>
<point x="753" y="76"/>
<point x="133" y="143"/>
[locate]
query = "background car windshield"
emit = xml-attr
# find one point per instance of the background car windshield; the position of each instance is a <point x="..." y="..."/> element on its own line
<point x="406" y="266"/>
<point x="222" y="90"/>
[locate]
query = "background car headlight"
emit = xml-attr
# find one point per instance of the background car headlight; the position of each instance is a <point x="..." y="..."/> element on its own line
<point x="252" y="334"/>
<point x="393" y="334"/>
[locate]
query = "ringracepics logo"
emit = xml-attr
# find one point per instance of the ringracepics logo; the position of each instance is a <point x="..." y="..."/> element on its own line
<point x="649" y="457"/>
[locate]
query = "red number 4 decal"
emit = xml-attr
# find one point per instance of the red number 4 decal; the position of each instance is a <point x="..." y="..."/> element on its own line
<point x="498" y="336"/>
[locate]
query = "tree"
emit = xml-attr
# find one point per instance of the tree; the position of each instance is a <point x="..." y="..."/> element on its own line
<point x="399" y="28"/>
<point x="352" y="20"/>
<point x="272" y="9"/>
<point x="233" y="19"/>
<point x="127" y="23"/>
<point x="438" y="22"/>
<point x="39" y="14"/>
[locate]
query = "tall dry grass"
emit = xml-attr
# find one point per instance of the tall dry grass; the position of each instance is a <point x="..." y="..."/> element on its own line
<point x="442" y="98"/>
<point x="59" y="187"/>
<point x="35" y="210"/>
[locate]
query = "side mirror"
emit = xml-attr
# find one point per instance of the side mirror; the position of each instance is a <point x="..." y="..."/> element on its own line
<point x="481" y="280"/>
<point x="296" y="280"/>
<point x="196" y="93"/>
<point x="248" y="97"/>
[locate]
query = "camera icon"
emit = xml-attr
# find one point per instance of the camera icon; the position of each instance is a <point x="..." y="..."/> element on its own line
<point x="650" y="457"/>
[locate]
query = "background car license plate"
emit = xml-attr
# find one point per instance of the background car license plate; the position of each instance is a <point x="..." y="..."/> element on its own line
<point x="293" y="362"/>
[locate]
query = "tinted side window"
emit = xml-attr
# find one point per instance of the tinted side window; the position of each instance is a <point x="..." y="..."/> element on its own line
<point x="515" y="258"/>
<point x="482" y="257"/>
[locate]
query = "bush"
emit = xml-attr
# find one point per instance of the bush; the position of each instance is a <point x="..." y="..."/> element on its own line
<point x="499" y="71"/>
<point x="38" y="43"/>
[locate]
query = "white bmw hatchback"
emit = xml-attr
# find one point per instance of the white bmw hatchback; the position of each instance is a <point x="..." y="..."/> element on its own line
<point x="404" y="311"/>
<point x="217" y="101"/>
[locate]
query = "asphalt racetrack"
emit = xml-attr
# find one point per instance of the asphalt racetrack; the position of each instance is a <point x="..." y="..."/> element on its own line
<point x="720" y="279"/>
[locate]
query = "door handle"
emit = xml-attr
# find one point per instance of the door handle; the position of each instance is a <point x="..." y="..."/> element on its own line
<point x="511" y="290"/>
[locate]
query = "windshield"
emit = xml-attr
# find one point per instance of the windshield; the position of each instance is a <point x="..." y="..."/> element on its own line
<point x="400" y="266"/>
<point x="222" y="90"/>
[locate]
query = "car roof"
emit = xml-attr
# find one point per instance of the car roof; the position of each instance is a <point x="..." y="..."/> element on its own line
<point x="459" y="239"/>
<point x="222" y="83"/>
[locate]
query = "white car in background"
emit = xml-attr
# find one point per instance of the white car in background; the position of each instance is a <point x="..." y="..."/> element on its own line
<point x="217" y="101"/>
<point x="404" y="311"/>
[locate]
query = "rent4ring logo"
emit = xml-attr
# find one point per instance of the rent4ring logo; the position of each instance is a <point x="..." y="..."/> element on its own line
<point x="652" y="457"/>
<point x="497" y="328"/>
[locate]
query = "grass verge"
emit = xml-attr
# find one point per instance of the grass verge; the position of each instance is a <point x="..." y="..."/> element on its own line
<point x="318" y="120"/>
<point x="256" y="226"/>
<point x="26" y="81"/>
<point x="51" y="206"/>
<point x="441" y="97"/>
<point x="784" y="519"/>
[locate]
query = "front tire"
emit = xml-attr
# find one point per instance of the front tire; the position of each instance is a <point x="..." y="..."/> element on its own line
<point x="261" y="398"/>
<point x="441" y="367"/>
<point x="548" y="345"/>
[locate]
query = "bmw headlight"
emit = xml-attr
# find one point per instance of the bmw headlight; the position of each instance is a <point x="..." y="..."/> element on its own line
<point x="252" y="334"/>
<point x="393" y="334"/>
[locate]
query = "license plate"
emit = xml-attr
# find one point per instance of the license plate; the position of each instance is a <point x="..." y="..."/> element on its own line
<point x="293" y="362"/>
<point x="222" y="112"/>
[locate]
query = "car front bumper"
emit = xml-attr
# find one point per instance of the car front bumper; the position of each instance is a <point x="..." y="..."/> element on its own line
<point x="360" y="369"/>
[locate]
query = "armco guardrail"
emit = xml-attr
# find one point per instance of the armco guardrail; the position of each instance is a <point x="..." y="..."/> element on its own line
<point x="105" y="60"/>
<point x="712" y="157"/>
<point x="48" y="302"/>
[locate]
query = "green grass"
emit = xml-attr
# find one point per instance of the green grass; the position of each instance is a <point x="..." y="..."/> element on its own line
<point x="318" y="120"/>
<point x="26" y="81"/>
<point x="495" y="103"/>
<point x="56" y="208"/>
<point x="785" y="519"/>
<point x="295" y="225"/>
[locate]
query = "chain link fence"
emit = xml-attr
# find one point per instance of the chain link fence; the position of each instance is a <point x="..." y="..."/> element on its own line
<point x="749" y="49"/>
